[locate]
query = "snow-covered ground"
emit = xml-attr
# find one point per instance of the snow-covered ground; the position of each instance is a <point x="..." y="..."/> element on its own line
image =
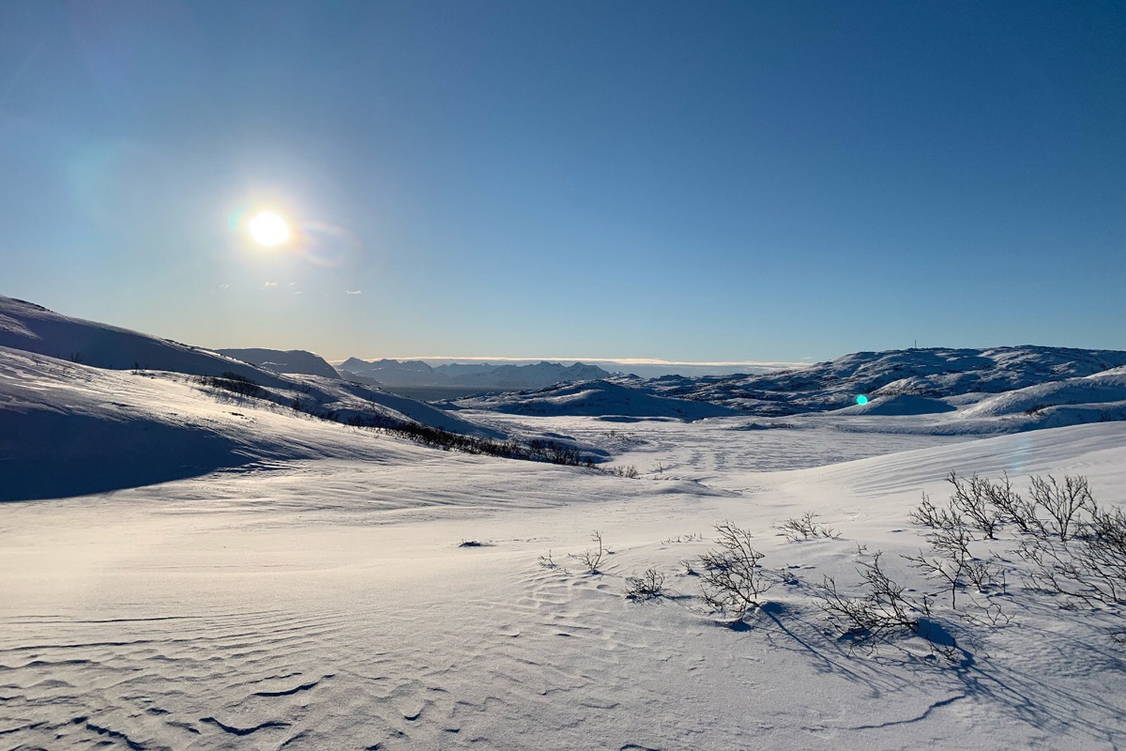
<point x="183" y="568"/>
<point x="325" y="603"/>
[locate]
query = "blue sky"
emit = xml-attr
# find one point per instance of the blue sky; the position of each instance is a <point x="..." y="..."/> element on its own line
<point x="690" y="181"/>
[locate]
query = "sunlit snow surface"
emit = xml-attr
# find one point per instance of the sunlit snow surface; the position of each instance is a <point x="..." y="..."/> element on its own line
<point x="319" y="600"/>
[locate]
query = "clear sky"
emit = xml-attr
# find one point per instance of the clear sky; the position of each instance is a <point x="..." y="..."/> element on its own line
<point x="694" y="181"/>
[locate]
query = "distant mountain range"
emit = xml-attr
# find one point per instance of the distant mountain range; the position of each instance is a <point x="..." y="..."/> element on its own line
<point x="965" y="390"/>
<point x="487" y="377"/>
<point x="934" y="373"/>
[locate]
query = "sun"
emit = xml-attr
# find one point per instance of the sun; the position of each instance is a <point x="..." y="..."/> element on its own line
<point x="269" y="229"/>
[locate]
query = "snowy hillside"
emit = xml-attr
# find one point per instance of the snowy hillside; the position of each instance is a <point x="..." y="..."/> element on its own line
<point x="30" y="327"/>
<point x="192" y="560"/>
<point x="933" y="373"/>
<point x="111" y="429"/>
<point x="283" y="361"/>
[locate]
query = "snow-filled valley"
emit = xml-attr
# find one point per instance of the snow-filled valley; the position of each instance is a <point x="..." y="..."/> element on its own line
<point x="183" y="565"/>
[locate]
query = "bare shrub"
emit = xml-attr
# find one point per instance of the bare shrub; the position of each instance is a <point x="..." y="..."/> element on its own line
<point x="881" y="610"/>
<point x="951" y="560"/>
<point x="648" y="586"/>
<point x="971" y="499"/>
<point x="1090" y="565"/>
<point x="934" y="517"/>
<point x="1063" y="502"/>
<point x="1013" y="508"/>
<point x="630" y="472"/>
<point x="591" y="559"/>
<point x="806" y="527"/>
<point x="732" y="579"/>
<point x="547" y="561"/>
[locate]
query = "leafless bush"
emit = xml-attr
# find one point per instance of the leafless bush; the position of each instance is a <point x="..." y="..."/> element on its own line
<point x="1013" y="508"/>
<point x="1076" y="547"/>
<point x="547" y="561"/>
<point x="806" y="527"/>
<point x="1090" y="565"/>
<point x="1063" y="502"/>
<point x="971" y="499"/>
<point x="951" y="560"/>
<point x="883" y="609"/>
<point x="591" y="559"/>
<point x="934" y="517"/>
<point x="629" y="472"/>
<point x="732" y="579"/>
<point x="645" y="587"/>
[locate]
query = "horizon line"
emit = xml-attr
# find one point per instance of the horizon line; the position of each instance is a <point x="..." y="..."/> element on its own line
<point x="620" y="360"/>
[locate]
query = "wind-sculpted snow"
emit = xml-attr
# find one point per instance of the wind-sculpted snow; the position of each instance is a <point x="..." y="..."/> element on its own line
<point x="322" y="604"/>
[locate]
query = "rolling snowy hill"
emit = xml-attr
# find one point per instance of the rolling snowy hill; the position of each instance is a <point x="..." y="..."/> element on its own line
<point x="932" y="373"/>
<point x="123" y="408"/>
<point x="33" y="328"/>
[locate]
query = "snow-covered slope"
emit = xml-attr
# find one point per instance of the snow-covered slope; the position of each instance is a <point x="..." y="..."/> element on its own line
<point x="1073" y="401"/>
<point x="1108" y="387"/>
<point x="69" y="429"/>
<point x="283" y="361"/>
<point x="898" y="404"/>
<point x="30" y="327"/>
<point x="597" y="398"/>
<point x="120" y="408"/>
<point x="934" y="373"/>
<point x="322" y="604"/>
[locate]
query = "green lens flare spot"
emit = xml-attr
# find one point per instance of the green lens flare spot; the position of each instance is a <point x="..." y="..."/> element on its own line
<point x="861" y="399"/>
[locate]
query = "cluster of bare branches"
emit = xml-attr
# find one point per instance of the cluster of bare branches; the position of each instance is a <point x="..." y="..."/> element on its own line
<point x="592" y="559"/>
<point x="806" y="527"/>
<point x="950" y="559"/>
<point x="881" y="610"/>
<point x="1077" y="548"/>
<point x="648" y="586"/>
<point x="1088" y="562"/>
<point x="630" y="471"/>
<point x="733" y="581"/>
<point x="548" y="561"/>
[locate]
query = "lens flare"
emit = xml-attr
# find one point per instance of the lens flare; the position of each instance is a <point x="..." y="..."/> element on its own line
<point x="861" y="399"/>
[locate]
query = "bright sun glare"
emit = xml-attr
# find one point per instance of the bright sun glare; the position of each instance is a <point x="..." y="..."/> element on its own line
<point x="269" y="229"/>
